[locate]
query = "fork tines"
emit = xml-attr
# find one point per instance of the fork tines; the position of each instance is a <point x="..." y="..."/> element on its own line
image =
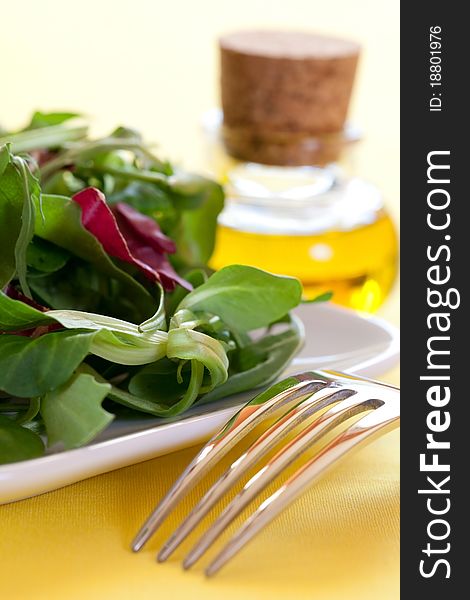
<point x="331" y="399"/>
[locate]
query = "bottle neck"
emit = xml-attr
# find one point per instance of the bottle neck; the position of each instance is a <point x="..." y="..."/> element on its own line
<point x="297" y="200"/>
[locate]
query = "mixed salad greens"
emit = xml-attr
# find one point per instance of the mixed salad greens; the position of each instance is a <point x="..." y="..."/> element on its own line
<point x="107" y="305"/>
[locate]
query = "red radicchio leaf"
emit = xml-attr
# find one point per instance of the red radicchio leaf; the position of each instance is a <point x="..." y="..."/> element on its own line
<point x="147" y="251"/>
<point x="137" y="241"/>
<point x="42" y="156"/>
<point x="143" y="227"/>
<point x="12" y="292"/>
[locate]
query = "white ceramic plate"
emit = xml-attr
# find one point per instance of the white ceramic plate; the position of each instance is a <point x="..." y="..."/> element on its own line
<point x="336" y="338"/>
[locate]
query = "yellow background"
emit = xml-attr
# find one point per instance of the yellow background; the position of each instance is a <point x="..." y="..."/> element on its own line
<point x="152" y="64"/>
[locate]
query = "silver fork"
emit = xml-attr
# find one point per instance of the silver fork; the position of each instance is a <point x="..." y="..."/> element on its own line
<point x="331" y="398"/>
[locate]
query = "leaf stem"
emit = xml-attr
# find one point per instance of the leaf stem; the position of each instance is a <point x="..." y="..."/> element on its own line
<point x="84" y="149"/>
<point x="31" y="412"/>
<point x="44" y="137"/>
<point x="136" y="175"/>
<point x="27" y="225"/>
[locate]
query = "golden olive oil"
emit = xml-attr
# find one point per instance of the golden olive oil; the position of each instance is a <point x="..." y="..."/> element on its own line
<point x="329" y="230"/>
<point x="358" y="266"/>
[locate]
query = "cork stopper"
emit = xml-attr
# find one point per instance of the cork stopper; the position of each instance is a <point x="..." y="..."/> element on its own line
<point x="285" y="95"/>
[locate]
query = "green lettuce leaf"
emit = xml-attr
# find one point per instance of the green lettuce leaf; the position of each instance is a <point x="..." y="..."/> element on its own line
<point x="31" y="367"/>
<point x="165" y="400"/>
<point x="19" y="195"/>
<point x="261" y="362"/>
<point x="168" y="399"/>
<point x="41" y="119"/>
<point x="113" y="339"/>
<point x="72" y="412"/>
<point x="194" y="233"/>
<point x="45" y="257"/>
<point x="18" y="443"/>
<point x="245" y="298"/>
<point x="11" y="208"/>
<point x="16" y="315"/>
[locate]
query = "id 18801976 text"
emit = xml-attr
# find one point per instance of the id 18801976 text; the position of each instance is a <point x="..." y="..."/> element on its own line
<point x="435" y="68"/>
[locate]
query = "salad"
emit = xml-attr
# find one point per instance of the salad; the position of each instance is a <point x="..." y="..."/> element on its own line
<point x="107" y="305"/>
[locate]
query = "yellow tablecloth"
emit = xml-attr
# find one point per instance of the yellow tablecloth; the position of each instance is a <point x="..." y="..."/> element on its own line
<point x="339" y="541"/>
<point x="152" y="65"/>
